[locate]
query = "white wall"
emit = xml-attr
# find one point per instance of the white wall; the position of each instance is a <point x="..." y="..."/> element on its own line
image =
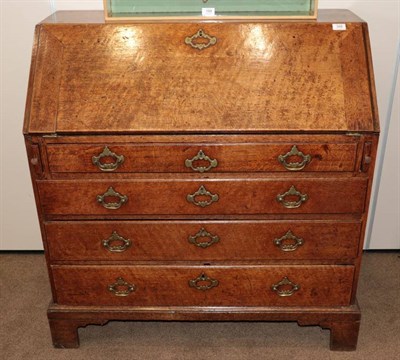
<point x="386" y="227"/>
<point x="19" y="228"/>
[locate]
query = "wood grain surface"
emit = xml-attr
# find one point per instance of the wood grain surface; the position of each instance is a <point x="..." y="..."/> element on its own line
<point x="170" y="240"/>
<point x="258" y="77"/>
<point x="140" y="90"/>
<point x="235" y="196"/>
<point x="169" y="285"/>
<point x="160" y="157"/>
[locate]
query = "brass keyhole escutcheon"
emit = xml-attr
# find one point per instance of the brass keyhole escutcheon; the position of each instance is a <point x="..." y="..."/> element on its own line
<point x="118" y="160"/>
<point x="294" y="166"/>
<point x="203" y="233"/>
<point x="202" y="192"/>
<point x="201" y="156"/>
<point x="203" y="282"/>
<point x="116" y="243"/>
<point x="111" y="193"/>
<point x="285" y="287"/>
<point x="209" y="40"/>
<point x="121" y="287"/>
<point x="292" y="192"/>
<point x="289" y="242"/>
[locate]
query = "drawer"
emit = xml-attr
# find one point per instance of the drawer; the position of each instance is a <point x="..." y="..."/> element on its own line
<point x="201" y="158"/>
<point x="194" y="197"/>
<point x="203" y="286"/>
<point x="202" y="240"/>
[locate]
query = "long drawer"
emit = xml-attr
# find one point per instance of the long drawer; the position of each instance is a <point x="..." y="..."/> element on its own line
<point x="203" y="286"/>
<point x="202" y="240"/>
<point x="201" y="158"/>
<point x="195" y="197"/>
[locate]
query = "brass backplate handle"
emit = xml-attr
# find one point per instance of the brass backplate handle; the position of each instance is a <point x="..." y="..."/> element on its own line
<point x="285" y="287"/>
<point x="202" y="192"/>
<point x="281" y="198"/>
<point x="190" y="40"/>
<point x="201" y="156"/>
<point x="289" y="242"/>
<point x="116" y="243"/>
<point x="203" y="233"/>
<point x="121" y="287"/>
<point x="203" y="282"/>
<point x="107" y="167"/>
<point x="102" y="199"/>
<point x="294" y="166"/>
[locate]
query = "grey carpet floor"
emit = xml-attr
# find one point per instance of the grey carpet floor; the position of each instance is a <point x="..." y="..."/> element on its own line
<point x="24" y="332"/>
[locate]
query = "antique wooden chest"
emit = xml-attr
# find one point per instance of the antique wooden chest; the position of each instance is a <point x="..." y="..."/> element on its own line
<point x="202" y="170"/>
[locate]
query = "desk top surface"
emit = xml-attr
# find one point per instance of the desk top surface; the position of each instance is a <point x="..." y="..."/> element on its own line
<point x="268" y="76"/>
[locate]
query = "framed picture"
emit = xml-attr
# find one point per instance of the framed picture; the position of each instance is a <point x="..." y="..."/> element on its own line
<point x="144" y="10"/>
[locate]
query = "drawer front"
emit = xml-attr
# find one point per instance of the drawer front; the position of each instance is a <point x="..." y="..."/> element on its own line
<point x="203" y="286"/>
<point x="202" y="240"/>
<point x="201" y="158"/>
<point x="194" y="197"/>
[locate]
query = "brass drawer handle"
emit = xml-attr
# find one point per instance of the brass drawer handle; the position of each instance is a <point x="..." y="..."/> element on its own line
<point x="116" y="243"/>
<point x="202" y="192"/>
<point x="294" y="242"/>
<point x="294" y="166"/>
<point x="203" y="278"/>
<point x="121" y="287"/>
<point x="201" y="156"/>
<point x="292" y="204"/>
<point x="189" y="40"/>
<point x="107" y="167"/>
<point x="203" y="234"/>
<point x="102" y="199"/>
<point x="281" y="288"/>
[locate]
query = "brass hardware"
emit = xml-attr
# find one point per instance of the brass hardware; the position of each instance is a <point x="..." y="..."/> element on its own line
<point x="203" y="278"/>
<point x="285" y="282"/>
<point x="212" y="40"/>
<point x="116" y="239"/>
<point x="356" y="134"/>
<point x="107" y="167"/>
<point x="202" y="192"/>
<point x="367" y="157"/>
<point x="291" y="246"/>
<point x="292" y="204"/>
<point x="35" y="159"/>
<point x="295" y="166"/>
<point x="201" y="156"/>
<point x="101" y="199"/>
<point x="203" y="234"/>
<point x="121" y="287"/>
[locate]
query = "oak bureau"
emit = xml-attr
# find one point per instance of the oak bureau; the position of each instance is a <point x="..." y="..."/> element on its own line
<point x="202" y="170"/>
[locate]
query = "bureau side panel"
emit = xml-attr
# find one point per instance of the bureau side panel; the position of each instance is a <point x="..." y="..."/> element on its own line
<point x="46" y="84"/>
<point x="34" y="150"/>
